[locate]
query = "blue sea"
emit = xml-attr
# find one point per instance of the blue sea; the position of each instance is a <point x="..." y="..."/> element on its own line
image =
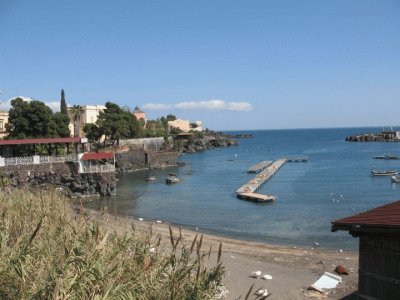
<point x="334" y="183"/>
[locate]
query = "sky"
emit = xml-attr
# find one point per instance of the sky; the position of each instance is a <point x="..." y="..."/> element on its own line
<point x="234" y="65"/>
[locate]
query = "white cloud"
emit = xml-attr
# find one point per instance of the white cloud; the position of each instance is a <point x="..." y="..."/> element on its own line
<point x="156" y="106"/>
<point x="203" y="105"/>
<point x="6" y="105"/>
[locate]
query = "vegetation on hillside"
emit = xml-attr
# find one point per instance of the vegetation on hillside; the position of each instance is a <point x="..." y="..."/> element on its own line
<point x="48" y="252"/>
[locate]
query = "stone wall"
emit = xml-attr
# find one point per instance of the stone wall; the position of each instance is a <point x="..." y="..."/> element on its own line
<point x="145" y="143"/>
<point x="63" y="175"/>
<point x="133" y="160"/>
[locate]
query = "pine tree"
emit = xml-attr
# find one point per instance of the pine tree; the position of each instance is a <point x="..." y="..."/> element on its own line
<point x="63" y="104"/>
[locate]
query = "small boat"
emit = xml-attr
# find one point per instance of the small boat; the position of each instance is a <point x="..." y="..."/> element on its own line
<point x="387" y="156"/>
<point x="171" y="178"/>
<point x="395" y="178"/>
<point x="384" y="173"/>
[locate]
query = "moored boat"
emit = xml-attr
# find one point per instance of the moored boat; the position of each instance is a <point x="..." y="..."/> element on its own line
<point x="387" y="156"/>
<point x="384" y="173"/>
<point x="395" y="178"/>
<point x="172" y="178"/>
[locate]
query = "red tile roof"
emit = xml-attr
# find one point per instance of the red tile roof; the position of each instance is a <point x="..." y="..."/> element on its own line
<point x="383" y="216"/>
<point x="41" y="141"/>
<point x="97" y="156"/>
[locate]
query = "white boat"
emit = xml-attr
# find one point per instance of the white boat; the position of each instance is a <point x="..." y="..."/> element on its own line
<point x="172" y="178"/>
<point x="395" y="178"/>
<point x="383" y="173"/>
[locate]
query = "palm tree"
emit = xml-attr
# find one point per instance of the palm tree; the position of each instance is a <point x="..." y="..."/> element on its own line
<point x="76" y="112"/>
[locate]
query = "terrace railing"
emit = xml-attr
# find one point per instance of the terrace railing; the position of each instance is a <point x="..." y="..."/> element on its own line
<point x="98" y="168"/>
<point x="33" y="160"/>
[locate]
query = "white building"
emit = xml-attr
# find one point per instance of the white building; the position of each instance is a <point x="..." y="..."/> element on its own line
<point x="185" y="125"/>
<point x="89" y="115"/>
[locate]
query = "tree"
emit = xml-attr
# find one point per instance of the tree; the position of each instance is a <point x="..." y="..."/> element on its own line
<point x="93" y="132"/>
<point x="171" y="117"/>
<point x="76" y="112"/>
<point x="59" y="125"/>
<point x="117" y="123"/>
<point x="63" y="104"/>
<point x="33" y="119"/>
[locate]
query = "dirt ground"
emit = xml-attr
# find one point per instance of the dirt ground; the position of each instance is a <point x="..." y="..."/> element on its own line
<point x="293" y="269"/>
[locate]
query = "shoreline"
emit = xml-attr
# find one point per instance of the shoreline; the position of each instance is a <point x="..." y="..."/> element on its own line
<point x="293" y="268"/>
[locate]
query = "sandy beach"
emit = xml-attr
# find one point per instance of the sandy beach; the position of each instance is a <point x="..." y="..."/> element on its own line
<point x="293" y="269"/>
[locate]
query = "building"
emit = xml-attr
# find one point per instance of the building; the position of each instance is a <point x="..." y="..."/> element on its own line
<point x="3" y="122"/>
<point x="89" y="115"/>
<point x="185" y="125"/>
<point x="139" y="114"/>
<point x="379" y="250"/>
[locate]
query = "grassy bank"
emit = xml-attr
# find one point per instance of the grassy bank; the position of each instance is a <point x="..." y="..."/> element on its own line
<point x="49" y="252"/>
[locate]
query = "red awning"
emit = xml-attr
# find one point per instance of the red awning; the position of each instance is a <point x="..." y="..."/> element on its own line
<point x="97" y="156"/>
<point x="41" y="141"/>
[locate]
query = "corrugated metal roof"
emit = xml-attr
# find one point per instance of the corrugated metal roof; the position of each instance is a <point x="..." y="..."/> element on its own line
<point x="97" y="156"/>
<point x="41" y="141"/>
<point x="383" y="216"/>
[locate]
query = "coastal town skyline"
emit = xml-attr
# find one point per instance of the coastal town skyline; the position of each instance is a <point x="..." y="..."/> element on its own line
<point x="237" y="66"/>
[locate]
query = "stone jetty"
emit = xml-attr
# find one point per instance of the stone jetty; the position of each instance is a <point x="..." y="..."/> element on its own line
<point x="247" y="191"/>
<point x="260" y="166"/>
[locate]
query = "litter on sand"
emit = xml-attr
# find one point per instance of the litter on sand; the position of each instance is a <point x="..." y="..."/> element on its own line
<point x="267" y="277"/>
<point x="255" y="274"/>
<point x="326" y="282"/>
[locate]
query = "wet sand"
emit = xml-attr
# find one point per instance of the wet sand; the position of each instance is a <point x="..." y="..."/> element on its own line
<point x="293" y="269"/>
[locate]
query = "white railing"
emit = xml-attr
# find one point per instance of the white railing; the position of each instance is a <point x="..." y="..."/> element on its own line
<point x="98" y="168"/>
<point x="33" y="160"/>
<point x="58" y="159"/>
<point x="25" y="160"/>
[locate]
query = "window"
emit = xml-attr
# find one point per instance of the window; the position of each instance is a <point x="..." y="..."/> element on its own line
<point x="1" y="125"/>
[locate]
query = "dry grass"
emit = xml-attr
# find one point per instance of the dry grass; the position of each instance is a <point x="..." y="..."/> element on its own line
<point x="49" y="252"/>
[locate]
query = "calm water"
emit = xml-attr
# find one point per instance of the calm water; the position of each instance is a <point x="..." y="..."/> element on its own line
<point x="334" y="183"/>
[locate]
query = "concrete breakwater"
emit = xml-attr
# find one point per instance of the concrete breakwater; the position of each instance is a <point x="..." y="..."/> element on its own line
<point x="248" y="190"/>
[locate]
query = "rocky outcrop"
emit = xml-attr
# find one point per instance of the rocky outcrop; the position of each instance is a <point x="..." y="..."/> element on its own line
<point x="205" y="143"/>
<point x="64" y="176"/>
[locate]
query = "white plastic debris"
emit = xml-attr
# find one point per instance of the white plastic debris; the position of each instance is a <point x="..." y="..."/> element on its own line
<point x="265" y="294"/>
<point x="140" y="219"/>
<point x="326" y="282"/>
<point x="255" y="274"/>
<point x="267" y="277"/>
<point x="262" y="292"/>
<point x="159" y="222"/>
<point x="152" y="250"/>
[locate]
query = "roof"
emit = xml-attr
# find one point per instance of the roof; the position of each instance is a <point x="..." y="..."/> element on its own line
<point x="97" y="156"/>
<point x="138" y="110"/>
<point x="386" y="216"/>
<point x="41" y="141"/>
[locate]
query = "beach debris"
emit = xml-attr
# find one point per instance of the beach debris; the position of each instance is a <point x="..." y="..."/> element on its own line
<point x="316" y="244"/>
<point x="263" y="293"/>
<point x="341" y="270"/>
<point x="267" y="277"/>
<point x="140" y="219"/>
<point x="341" y="251"/>
<point x="326" y="282"/>
<point x="152" y="250"/>
<point x="158" y="222"/>
<point x="255" y="274"/>
<point x="260" y="291"/>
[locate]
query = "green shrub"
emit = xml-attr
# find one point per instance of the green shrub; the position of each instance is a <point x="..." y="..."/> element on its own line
<point x="49" y="252"/>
